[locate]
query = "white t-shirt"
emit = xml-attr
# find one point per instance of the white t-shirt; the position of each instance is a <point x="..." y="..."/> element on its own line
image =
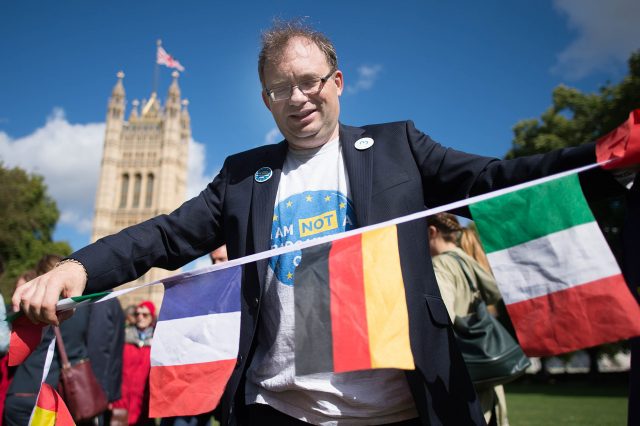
<point x="314" y="184"/>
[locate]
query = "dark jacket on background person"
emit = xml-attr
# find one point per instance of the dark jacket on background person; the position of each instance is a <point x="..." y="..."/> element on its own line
<point x="402" y="172"/>
<point x="105" y="344"/>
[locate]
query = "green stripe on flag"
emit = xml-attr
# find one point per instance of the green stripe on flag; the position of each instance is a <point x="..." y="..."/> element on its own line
<point x="78" y="299"/>
<point x="521" y="216"/>
<point x="91" y="297"/>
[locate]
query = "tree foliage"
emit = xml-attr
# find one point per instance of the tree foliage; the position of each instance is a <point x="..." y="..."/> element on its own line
<point x="575" y="117"/>
<point x="27" y="220"/>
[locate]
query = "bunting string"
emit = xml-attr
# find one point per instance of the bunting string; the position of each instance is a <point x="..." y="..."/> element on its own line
<point x="74" y="302"/>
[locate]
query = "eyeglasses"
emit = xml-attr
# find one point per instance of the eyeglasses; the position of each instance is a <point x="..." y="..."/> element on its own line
<point x="143" y="314"/>
<point x="312" y="86"/>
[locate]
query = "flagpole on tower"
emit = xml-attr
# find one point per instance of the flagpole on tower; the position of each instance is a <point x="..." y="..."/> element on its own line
<point x="156" y="70"/>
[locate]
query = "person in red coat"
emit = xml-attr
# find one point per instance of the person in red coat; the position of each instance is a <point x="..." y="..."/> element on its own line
<point x="136" y="364"/>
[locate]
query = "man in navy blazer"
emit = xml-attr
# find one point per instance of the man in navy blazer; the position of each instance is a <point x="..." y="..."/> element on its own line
<point x="391" y="170"/>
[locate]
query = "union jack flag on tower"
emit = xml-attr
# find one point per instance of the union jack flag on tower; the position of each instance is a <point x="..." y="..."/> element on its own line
<point x="163" y="58"/>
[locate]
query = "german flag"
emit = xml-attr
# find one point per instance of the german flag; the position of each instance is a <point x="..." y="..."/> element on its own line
<point x="50" y="409"/>
<point x="350" y="306"/>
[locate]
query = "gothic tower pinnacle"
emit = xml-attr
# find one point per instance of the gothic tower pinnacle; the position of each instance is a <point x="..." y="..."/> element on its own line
<point x="144" y="166"/>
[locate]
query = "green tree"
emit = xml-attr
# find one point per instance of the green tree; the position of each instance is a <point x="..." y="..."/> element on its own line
<point x="575" y="117"/>
<point x="28" y="216"/>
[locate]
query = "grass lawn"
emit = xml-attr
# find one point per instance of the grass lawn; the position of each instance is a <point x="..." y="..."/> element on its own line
<point x="568" y="401"/>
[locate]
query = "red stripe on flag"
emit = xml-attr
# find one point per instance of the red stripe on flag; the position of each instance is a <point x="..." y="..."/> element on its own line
<point x="50" y="400"/>
<point x="25" y="338"/>
<point x="621" y="144"/>
<point x="348" y="307"/>
<point x="190" y="389"/>
<point x="587" y="315"/>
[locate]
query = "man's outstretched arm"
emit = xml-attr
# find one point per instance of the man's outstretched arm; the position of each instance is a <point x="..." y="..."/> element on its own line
<point x="166" y="241"/>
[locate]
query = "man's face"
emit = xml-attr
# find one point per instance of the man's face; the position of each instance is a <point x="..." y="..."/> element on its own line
<point x="306" y="121"/>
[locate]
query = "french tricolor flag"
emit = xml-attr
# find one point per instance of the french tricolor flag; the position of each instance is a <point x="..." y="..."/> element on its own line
<point x="195" y="344"/>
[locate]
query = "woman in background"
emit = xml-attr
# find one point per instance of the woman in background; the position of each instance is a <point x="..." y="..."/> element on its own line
<point x="136" y="365"/>
<point x="452" y="267"/>
<point x="470" y="243"/>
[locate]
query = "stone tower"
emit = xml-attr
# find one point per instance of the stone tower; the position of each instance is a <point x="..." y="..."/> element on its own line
<point x="143" y="171"/>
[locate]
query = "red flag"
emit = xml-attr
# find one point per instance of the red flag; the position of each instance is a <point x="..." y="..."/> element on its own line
<point x="25" y="338"/>
<point x="622" y="144"/>
<point x="163" y="58"/>
<point x="50" y="409"/>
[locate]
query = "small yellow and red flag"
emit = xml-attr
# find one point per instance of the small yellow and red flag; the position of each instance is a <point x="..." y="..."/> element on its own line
<point x="50" y="410"/>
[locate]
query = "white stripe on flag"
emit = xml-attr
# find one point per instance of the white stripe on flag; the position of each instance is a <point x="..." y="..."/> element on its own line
<point x="195" y="340"/>
<point x="561" y="260"/>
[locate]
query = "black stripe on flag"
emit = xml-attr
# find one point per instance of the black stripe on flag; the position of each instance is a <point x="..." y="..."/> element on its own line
<point x="313" y="337"/>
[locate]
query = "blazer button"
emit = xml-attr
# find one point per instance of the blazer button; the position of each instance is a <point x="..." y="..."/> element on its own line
<point x="255" y="302"/>
<point x="239" y="361"/>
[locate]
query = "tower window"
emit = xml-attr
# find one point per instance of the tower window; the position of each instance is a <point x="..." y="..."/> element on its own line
<point x="137" y="187"/>
<point x="149" y="196"/>
<point x="124" y="191"/>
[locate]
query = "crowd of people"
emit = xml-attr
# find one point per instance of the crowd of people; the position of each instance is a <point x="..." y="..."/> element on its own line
<point x="116" y="341"/>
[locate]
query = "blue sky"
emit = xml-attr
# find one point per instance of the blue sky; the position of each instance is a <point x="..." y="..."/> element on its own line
<point x="464" y="71"/>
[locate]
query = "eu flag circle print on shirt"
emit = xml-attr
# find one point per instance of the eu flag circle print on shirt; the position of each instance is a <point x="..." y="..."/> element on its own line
<point x="304" y="216"/>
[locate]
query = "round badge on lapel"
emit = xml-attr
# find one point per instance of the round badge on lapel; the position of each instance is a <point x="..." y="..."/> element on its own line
<point x="363" y="143"/>
<point x="263" y="174"/>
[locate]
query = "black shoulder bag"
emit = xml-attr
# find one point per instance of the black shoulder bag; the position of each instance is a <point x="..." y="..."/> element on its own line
<point x="492" y="355"/>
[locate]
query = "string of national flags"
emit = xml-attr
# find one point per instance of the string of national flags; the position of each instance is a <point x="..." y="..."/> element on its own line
<point x="560" y="282"/>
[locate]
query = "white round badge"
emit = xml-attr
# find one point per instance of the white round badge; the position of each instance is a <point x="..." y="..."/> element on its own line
<point x="363" y="143"/>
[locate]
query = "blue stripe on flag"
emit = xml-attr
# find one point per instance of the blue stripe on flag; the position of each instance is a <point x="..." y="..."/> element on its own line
<point x="211" y="293"/>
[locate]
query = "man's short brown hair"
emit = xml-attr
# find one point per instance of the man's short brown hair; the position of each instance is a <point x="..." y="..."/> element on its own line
<point x="275" y="39"/>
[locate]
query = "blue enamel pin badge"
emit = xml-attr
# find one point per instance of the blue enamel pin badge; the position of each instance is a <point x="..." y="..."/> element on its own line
<point x="263" y="174"/>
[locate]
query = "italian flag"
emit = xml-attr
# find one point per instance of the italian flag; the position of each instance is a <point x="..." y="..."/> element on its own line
<point x="559" y="280"/>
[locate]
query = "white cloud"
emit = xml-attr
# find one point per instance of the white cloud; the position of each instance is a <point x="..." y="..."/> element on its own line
<point x="272" y="136"/>
<point x="367" y="75"/>
<point x="197" y="178"/>
<point x="607" y="32"/>
<point x="68" y="157"/>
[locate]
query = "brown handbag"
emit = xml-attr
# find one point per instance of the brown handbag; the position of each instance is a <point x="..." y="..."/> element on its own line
<point x="78" y="386"/>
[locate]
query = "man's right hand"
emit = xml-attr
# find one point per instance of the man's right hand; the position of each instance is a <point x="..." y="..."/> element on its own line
<point x="37" y="298"/>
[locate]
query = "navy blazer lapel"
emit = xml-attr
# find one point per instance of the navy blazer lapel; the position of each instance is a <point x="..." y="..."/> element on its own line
<point x="262" y="202"/>
<point x="359" y="166"/>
